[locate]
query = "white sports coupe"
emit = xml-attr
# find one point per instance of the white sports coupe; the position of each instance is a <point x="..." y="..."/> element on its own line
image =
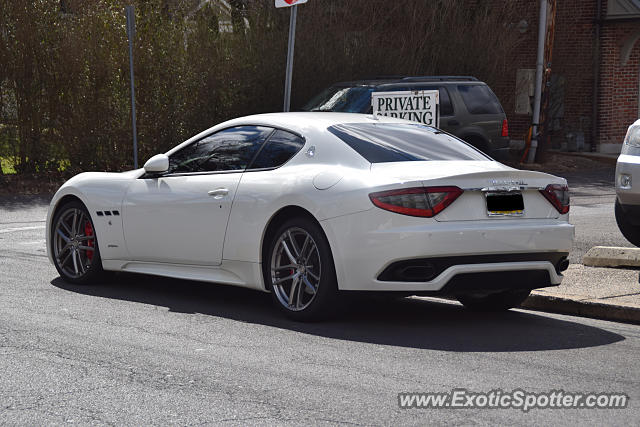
<point x="305" y="205"/>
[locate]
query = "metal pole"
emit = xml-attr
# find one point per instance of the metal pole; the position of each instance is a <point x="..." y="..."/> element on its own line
<point x="292" y="41"/>
<point x="131" y="31"/>
<point x="542" y="31"/>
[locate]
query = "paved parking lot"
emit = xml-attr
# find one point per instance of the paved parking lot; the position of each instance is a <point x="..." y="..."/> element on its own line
<point x="145" y="350"/>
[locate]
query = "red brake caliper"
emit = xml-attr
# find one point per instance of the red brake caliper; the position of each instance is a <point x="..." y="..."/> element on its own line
<point x="88" y="231"/>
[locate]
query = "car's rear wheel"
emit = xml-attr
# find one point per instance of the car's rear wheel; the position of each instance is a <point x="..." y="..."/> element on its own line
<point x="495" y="302"/>
<point x="300" y="272"/>
<point x="629" y="231"/>
<point x="74" y="244"/>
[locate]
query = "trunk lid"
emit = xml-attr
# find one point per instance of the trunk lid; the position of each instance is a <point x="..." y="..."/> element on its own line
<point x="478" y="180"/>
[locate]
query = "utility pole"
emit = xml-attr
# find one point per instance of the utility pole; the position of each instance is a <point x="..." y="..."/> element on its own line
<point x="546" y="36"/>
<point x="542" y="29"/>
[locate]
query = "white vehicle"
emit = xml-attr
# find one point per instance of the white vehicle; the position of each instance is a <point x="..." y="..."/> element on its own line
<point x="627" y="207"/>
<point x="304" y="205"/>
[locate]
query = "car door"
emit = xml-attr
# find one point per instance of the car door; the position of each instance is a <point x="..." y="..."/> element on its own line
<point x="181" y="216"/>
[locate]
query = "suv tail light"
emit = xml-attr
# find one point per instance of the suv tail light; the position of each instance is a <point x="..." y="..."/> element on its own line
<point x="419" y="201"/>
<point x="558" y="196"/>
<point x="505" y="128"/>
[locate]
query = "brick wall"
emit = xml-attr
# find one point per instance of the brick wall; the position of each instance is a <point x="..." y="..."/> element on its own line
<point x="573" y="59"/>
<point x="523" y="56"/>
<point x="618" y="101"/>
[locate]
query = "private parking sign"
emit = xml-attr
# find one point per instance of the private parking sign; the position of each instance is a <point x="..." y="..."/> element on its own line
<point x="418" y="106"/>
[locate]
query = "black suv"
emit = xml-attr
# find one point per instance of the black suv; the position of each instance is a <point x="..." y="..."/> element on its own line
<point x="468" y="107"/>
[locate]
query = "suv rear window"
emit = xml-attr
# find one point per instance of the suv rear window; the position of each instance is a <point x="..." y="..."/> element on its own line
<point x="343" y="99"/>
<point x="479" y="99"/>
<point x="357" y="99"/>
<point x="399" y="142"/>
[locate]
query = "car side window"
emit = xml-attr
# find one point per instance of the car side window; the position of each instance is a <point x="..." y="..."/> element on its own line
<point x="278" y="150"/>
<point x="226" y="150"/>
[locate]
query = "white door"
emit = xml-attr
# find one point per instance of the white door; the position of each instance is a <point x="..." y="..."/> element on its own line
<point x="181" y="217"/>
<point x="175" y="220"/>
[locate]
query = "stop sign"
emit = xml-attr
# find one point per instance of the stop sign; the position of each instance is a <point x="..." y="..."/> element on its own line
<point x="289" y="3"/>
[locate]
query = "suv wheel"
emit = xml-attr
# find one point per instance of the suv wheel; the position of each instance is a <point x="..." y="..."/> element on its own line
<point x="500" y="301"/>
<point x="629" y="231"/>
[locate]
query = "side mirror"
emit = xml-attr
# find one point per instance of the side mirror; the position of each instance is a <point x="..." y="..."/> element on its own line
<point x="157" y="164"/>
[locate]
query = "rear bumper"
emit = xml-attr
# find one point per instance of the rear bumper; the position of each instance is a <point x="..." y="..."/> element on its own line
<point x="467" y="278"/>
<point x="427" y="269"/>
<point x="366" y="245"/>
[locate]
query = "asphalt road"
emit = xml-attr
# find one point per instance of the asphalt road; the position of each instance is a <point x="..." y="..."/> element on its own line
<point x="592" y="200"/>
<point x="139" y="350"/>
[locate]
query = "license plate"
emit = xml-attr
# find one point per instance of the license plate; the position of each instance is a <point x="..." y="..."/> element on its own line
<point x="504" y="203"/>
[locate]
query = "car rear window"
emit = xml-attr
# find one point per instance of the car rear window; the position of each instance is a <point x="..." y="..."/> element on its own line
<point x="400" y="142"/>
<point x="479" y="99"/>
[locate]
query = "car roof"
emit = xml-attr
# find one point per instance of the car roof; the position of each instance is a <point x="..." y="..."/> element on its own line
<point x="410" y="81"/>
<point x="302" y="123"/>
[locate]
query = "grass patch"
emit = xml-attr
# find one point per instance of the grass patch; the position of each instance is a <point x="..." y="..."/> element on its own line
<point x="7" y="165"/>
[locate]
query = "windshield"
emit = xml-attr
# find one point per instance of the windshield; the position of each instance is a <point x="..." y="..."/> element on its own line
<point x="399" y="142"/>
<point x="356" y="99"/>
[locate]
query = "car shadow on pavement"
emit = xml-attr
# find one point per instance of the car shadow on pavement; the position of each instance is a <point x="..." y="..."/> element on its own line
<point x="406" y="322"/>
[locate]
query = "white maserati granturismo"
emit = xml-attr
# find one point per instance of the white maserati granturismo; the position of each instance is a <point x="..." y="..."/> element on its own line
<point x="306" y="205"/>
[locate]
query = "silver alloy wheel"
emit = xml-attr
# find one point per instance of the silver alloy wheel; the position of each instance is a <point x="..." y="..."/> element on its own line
<point x="295" y="269"/>
<point x="74" y="243"/>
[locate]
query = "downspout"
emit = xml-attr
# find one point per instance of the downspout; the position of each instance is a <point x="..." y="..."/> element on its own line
<point x="596" y="77"/>
<point x="542" y="31"/>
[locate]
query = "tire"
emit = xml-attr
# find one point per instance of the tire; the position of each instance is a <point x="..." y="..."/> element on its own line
<point x="74" y="245"/>
<point x="501" y="301"/>
<point x="299" y="271"/>
<point x="629" y="231"/>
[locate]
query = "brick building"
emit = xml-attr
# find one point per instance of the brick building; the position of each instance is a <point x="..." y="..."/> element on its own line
<point x="596" y="55"/>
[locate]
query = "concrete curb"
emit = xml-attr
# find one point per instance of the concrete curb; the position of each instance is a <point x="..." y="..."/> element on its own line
<point x="609" y="256"/>
<point x="584" y="308"/>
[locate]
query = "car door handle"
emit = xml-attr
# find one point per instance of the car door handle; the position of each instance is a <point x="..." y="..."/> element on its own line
<point x="218" y="193"/>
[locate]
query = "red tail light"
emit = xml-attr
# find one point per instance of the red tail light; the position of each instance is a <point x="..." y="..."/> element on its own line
<point x="558" y="196"/>
<point x="419" y="201"/>
<point x="505" y="128"/>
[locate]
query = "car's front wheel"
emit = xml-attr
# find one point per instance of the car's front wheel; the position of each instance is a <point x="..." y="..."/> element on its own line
<point x="74" y="244"/>
<point x="629" y="231"/>
<point x="299" y="270"/>
<point x="495" y="302"/>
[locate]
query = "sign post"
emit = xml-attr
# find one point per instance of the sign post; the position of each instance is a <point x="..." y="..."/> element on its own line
<point x="131" y="33"/>
<point x="292" y="40"/>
